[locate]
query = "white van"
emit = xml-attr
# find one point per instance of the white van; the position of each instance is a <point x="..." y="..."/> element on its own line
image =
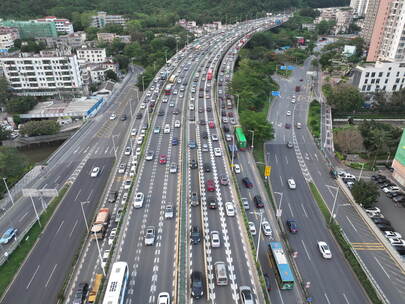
<point x="166" y="130"/>
<point x="132" y="171"/>
<point x="221" y="275"/>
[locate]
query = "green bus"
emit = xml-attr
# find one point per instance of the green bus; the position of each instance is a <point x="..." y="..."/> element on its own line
<point x="240" y="138"/>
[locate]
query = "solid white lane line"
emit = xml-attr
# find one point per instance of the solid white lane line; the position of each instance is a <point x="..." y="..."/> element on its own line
<point x="29" y="283"/>
<point x="347" y="301"/>
<point x="21" y="218"/>
<point x="378" y="262"/>
<point x="306" y="251"/>
<point x="351" y="223"/>
<point x="305" y="212"/>
<point x="326" y="296"/>
<point x="77" y="195"/>
<point x="281" y="180"/>
<point x="60" y="226"/>
<point x="50" y="276"/>
<point x="74" y="226"/>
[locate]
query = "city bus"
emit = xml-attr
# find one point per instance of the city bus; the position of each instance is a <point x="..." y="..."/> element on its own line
<point x="168" y="89"/>
<point x="240" y="138"/>
<point x="117" y="284"/>
<point x="282" y="270"/>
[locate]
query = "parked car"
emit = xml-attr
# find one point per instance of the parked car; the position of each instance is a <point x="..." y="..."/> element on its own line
<point x="8" y="235"/>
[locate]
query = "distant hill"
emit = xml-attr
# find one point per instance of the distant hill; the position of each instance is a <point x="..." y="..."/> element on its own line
<point x="200" y="10"/>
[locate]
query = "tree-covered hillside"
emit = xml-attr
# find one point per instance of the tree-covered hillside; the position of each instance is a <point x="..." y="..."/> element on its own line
<point x="201" y="10"/>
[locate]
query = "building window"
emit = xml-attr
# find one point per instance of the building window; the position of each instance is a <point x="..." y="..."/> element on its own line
<point x="380" y="74"/>
<point x="397" y="80"/>
<point x="364" y="88"/>
<point x="373" y="74"/>
<point x="367" y="74"/>
<point x="377" y="81"/>
<point x="369" y="88"/>
<point x="394" y="87"/>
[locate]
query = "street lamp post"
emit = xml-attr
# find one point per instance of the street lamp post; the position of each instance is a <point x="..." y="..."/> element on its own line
<point x="260" y="213"/>
<point x="84" y="216"/>
<point x="8" y="190"/>
<point x="237" y="104"/>
<point x="143" y="84"/>
<point x="361" y="171"/>
<point x="130" y="107"/>
<point x="334" y="204"/>
<point x="253" y="136"/>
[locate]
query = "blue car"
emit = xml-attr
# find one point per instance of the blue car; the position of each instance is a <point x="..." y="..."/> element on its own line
<point x="175" y="141"/>
<point x="192" y="144"/>
<point x="8" y="235"/>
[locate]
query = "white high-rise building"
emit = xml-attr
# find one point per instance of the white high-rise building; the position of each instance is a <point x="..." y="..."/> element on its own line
<point x="359" y="7"/>
<point x="62" y="25"/>
<point x="94" y="55"/>
<point x="44" y="74"/>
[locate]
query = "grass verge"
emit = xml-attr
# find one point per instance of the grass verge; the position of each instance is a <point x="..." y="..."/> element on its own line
<point x="314" y="118"/>
<point x="357" y="165"/>
<point x="9" y="269"/>
<point x="346" y="248"/>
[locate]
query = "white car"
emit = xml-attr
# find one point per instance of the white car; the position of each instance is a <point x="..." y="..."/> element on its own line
<point x="298" y="125"/>
<point x="373" y="209"/>
<point x="105" y="257"/>
<point x="156" y="130"/>
<point x="127" y="184"/>
<point x="236" y="168"/>
<point x="324" y="250"/>
<point x="143" y="105"/>
<point x="214" y="137"/>
<point x="204" y="147"/>
<point x="113" y="116"/>
<point x="229" y="209"/>
<point x="150" y="155"/>
<point x="166" y="130"/>
<point x="128" y="151"/>
<point x="291" y="183"/>
<point x="139" y="140"/>
<point x="173" y="168"/>
<point x="288" y="113"/>
<point x="169" y="213"/>
<point x="138" y="200"/>
<point x="111" y="238"/>
<point x="217" y="152"/>
<point x="396" y="241"/>
<point x="293" y="100"/>
<point x="138" y="151"/>
<point x="95" y="172"/>
<point x="133" y="132"/>
<point x="225" y="119"/>
<point x="228" y="137"/>
<point x="165" y="99"/>
<point x="392" y="234"/>
<point x="122" y="168"/>
<point x="132" y="171"/>
<point x="124" y="198"/>
<point x="191" y="106"/>
<point x="215" y="239"/>
<point x="266" y="228"/>
<point x="150" y="236"/>
<point x="143" y="132"/>
<point x="163" y="298"/>
<point x="177" y="124"/>
<point x="232" y="121"/>
<point x="171" y="104"/>
<point x="391" y="189"/>
<point x="252" y="228"/>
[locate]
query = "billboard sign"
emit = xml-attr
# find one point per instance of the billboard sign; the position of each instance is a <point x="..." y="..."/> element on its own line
<point x="400" y="155"/>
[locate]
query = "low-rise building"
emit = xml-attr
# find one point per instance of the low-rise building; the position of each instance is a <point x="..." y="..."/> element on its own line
<point x="342" y="16"/>
<point x="62" y="25"/>
<point x="93" y="55"/>
<point x="45" y="74"/>
<point x="7" y="37"/>
<point x="309" y="26"/>
<point x="101" y="19"/>
<point x="381" y="76"/>
<point x="63" y="42"/>
<point x="109" y="37"/>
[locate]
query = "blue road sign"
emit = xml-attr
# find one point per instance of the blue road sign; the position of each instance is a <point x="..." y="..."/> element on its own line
<point x="283" y="67"/>
<point x="290" y="67"/>
<point x="275" y="93"/>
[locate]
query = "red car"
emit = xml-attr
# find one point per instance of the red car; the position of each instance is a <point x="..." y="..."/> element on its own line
<point x="162" y="159"/>
<point x="211" y="124"/>
<point x="210" y="185"/>
<point x="230" y="114"/>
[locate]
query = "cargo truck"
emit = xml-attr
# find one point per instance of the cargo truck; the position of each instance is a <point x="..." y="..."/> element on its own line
<point x="100" y="224"/>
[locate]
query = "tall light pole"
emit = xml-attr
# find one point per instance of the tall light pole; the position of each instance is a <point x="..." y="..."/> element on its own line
<point x="237" y="104"/>
<point x="143" y="84"/>
<point x="334" y="204"/>
<point x="279" y="210"/>
<point x="84" y="215"/>
<point x="130" y="107"/>
<point x="166" y="55"/>
<point x="361" y="171"/>
<point x="8" y="190"/>
<point x="253" y="136"/>
<point x="260" y="213"/>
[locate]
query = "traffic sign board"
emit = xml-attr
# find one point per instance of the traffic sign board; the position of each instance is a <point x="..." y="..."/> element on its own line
<point x="267" y="171"/>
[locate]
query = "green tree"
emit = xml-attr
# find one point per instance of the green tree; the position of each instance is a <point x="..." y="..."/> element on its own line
<point x="4" y="91"/>
<point x="257" y="122"/>
<point x="345" y="98"/>
<point x="123" y="61"/>
<point x="4" y="133"/>
<point x="40" y="127"/>
<point x="111" y="75"/>
<point x="20" y="104"/>
<point x="365" y="193"/>
<point x="315" y="63"/>
<point x="324" y="27"/>
<point x="309" y="12"/>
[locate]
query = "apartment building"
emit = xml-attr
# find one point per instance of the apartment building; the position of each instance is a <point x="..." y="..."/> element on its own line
<point x="44" y="74"/>
<point x="93" y="55"/>
<point x="62" y="25"/>
<point x="109" y="37"/>
<point x="359" y="7"/>
<point x="380" y="76"/>
<point x="101" y="19"/>
<point x="7" y="37"/>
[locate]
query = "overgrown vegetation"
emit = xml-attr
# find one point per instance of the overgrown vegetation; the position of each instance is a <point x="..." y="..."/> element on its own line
<point x="343" y="98"/>
<point x="13" y="166"/>
<point x="346" y="247"/>
<point x="314" y="118"/>
<point x="365" y="193"/>
<point x="40" y="127"/>
<point x="202" y="11"/>
<point x="14" y="104"/>
<point x="9" y="269"/>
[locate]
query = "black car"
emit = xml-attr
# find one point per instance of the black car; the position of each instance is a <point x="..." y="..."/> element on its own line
<point x="212" y="202"/>
<point x="138" y="115"/>
<point x="197" y="285"/>
<point x="81" y="293"/>
<point x="384" y="227"/>
<point x="195" y="235"/>
<point x="112" y="196"/>
<point x="399" y="199"/>
<point x="207" y="167"/>
<point x="223" y="113"/>
<point x="382" y="180"/>
<point x="176" y="111"/>
<point x="292" y="226"/>
<point x="209" y="109"/>
<point x="123" y="117"/>
<point x="393" y="194"/>
<point x="246" y="181"/>
<point x="226" y="129"/>
<point x="267" y="281"/>
<point x="161" y="113"/>
<point x="193" y="164"/>
<point x="258" y="201"/>
<point x="204" y="135"/>
<point x="379" y="220"/>
<point x="202" y="122"/>
<point x="192" y="117"/>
